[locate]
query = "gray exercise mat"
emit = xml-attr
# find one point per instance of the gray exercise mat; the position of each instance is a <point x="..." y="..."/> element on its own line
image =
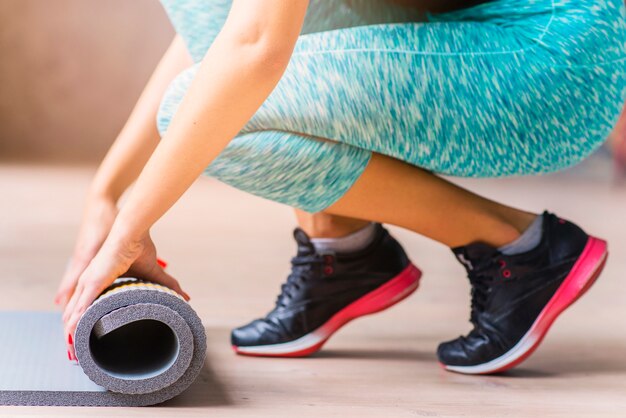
<point x="138" y="344"/>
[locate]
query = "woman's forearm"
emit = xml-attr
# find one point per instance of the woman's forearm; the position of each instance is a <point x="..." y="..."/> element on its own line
<point x="238" y="73"/>
<point x="139" y="136"/>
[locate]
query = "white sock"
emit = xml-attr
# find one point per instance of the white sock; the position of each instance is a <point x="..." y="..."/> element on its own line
<point x="529" y="239"/>
<point x="350" y="243"/>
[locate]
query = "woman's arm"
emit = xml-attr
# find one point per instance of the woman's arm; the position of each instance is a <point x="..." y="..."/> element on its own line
<point x="123" y="163"/>
<point x="238" y="73"/>
<point x="139" y="137"/>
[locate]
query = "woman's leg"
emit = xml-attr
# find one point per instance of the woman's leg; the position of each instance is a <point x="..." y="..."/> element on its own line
<point x="326" y="225"/>
<point x="199" y="22"/>
<point x="397" y="193"/>
<point x="474" y="95"/>
<point x="466" y="98"/>
<point x="430" y="95"/>
<point x="478" y="118"/>
<point x="393" y="192"/>
<point x="324" y="15"/>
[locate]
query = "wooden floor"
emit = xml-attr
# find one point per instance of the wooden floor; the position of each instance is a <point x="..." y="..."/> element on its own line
<point x="231" y="252"/>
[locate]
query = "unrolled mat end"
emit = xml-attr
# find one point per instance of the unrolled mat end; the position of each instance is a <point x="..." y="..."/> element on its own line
<point x="138" y="344"/>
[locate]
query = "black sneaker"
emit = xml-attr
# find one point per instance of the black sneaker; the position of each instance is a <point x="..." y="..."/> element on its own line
<point x="324" y="292"/>
<point x="515" y="299"/>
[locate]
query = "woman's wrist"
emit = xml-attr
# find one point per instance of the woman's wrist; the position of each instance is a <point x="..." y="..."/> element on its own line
<point x="103" y="193"/>
<point x="126" y="231"/>
<point x="100" y="208"/>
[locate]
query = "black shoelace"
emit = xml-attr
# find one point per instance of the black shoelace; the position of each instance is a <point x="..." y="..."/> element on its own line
<point x="303" y="268"/>
<point x="480" y="280"/>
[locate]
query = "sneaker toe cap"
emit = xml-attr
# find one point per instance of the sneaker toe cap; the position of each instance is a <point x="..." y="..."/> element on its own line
<point x="453" y="353"/>
<point x="257" y="332"/>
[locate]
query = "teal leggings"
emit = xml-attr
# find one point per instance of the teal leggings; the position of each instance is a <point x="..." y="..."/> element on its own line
<point x="509" y="87"/>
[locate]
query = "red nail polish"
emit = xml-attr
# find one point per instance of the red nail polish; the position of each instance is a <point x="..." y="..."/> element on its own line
<point x="69" y="356"/>
<point x="161" y="263"/>
<point x="69" y="339"/>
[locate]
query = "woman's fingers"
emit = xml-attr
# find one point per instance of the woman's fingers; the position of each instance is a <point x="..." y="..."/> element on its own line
<point x="99" y="215"/>
<point x="67" y="314"/>
<point x="101" y="272"/>
<point x="166" y="280"/>
<point x="89" y="288"/>
<point x="69" y="307"/>
<point x="87" y="291"/>
<point x="135" y="258"/>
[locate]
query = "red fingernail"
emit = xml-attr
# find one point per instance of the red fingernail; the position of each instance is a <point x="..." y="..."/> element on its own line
<point x="69" y="339"/>
<point x="69" y="356"/>
<point x="161" y="263"/>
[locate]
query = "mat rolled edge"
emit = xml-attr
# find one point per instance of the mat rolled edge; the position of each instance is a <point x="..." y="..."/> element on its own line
<point x="127" y="302"/>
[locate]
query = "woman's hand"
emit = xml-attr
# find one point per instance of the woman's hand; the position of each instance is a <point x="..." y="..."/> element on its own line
<point x="95" y="227"/>
<point x="122" y="165"/>
<point x="118" y="256"/>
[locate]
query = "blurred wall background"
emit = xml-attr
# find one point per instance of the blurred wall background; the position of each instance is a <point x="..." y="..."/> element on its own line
<point x="70" y="72"/>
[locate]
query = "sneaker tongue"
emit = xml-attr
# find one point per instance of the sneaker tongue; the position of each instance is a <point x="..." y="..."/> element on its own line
<point x="305" y="247"/>
<point x="473" y="254"/>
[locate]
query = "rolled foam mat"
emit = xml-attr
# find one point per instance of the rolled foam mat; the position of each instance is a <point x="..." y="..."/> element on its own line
<point x="138" y="344"/>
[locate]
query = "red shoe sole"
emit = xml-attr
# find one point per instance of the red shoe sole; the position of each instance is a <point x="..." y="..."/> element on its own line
<point x="385" y="296"/>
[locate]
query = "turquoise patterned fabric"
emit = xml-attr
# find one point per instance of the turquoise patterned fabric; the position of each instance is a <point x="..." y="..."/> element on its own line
<point x="509" y="87"/>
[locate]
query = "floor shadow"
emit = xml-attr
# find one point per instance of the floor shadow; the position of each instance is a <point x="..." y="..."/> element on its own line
<point x="522" y="373"/>
<point x="206" y="391"/>
<point x="368" y="354"/>
<point x="553" y="361"/>
<point x="563" y="361"/>
<point x="587" y="365"/>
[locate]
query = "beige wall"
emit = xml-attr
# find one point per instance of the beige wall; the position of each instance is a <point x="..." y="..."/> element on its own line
<point x="70" y="71"/>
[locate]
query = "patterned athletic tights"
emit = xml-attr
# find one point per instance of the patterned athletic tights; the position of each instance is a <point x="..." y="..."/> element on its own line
<point x="509" y="87"/>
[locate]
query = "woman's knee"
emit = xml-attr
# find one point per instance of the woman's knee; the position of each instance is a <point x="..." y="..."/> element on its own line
<point x="299" y="171"/>
<point x="173" y="97"/>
